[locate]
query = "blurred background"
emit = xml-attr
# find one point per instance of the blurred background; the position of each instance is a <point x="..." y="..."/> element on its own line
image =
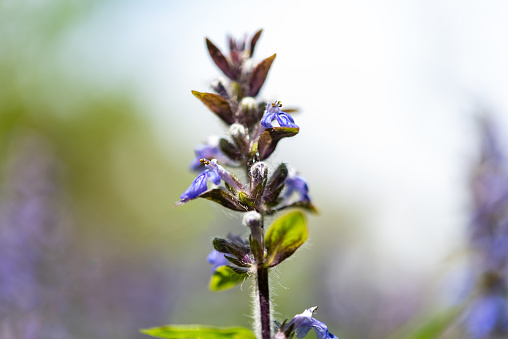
<point x="98" y="127"/>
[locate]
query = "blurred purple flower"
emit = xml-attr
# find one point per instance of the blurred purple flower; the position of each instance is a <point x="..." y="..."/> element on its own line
<point x="273" y="112"/>
<point x="487" y="315"/>
<point x="489" y="184"/>
<point x="296" y="183"/>
<point x="304" y="322"/>
<point x="208" y="150"/>
<point x="217" y="259"/>
<point x="32" y="287"/>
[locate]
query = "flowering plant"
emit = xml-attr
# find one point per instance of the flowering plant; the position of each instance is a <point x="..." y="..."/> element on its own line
<point x="255" y="129"/>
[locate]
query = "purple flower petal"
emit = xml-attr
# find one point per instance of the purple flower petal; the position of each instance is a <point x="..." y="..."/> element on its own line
<point x="273" y="112"/>
<point x="296" y="183"/>
<point x="197" y="187"/>
<point x="304" y="322"/>
<point x="285" y="120"/>
<point x="487" y="315"/>
<point x="208" y="150"/>
<point x="267" y="120"/>
<point x="217" y="259"/>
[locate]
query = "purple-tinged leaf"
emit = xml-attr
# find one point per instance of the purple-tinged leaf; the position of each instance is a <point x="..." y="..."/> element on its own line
<point x="230" y="149"/>
<point x="234" y="247"/>
<point x="224" y="198"/>
<point x="258" y="76"/>
<point x="238" y="263"/>
<point x="219" y="59"/>
<point x="275" y="185"/>
<point x="291" y="110"/>
<point x="216" y="104"/>
<point x="270" y="137"/>
<point x="254" y="41"/>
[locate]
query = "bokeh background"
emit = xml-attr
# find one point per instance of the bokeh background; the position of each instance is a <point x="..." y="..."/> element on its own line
<point x="98" y="126"/>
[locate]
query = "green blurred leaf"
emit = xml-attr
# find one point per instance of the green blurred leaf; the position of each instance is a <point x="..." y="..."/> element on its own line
<point x="225" y="278"/>
<point x="199" y="332"/>
<point x="284" y="237"/>
<point x="432" y="328"/>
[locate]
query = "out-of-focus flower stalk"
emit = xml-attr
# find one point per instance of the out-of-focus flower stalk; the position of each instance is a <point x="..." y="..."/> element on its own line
<point x="487" y="314"/>
<point x="31" y="230"/>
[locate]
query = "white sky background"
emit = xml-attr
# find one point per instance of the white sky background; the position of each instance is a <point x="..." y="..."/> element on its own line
<point x="388" y="92"/>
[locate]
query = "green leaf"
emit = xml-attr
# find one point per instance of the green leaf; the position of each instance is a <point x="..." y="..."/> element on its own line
<point x="216" y="104"/>
<point x="284" y="237"/>
<point x="432" y="328"/>
<point x="270" y="137"/>
<point x="225" y="278"/>
<point x="199" y="332"/>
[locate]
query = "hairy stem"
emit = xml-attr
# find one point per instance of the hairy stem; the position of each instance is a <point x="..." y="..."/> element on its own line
<point x="264" y="302"/>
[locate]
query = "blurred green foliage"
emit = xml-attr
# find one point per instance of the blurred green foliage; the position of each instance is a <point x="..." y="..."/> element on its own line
<point x="139" y="260"/>
<point x="118" y="180"/>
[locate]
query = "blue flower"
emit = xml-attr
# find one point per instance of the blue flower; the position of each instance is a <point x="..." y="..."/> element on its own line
<point x="199" y="185"/>
<point x="217" y="259"/>
<point x="215" y="173"/>
<point x="208" y="150"/>
<point x="488" y="315"/>
<point x="296" y="183"/>
<point x="304" y="322"/>
<point x="273" y="112"/>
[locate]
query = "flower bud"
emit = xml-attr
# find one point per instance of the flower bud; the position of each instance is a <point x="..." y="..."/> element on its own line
<point x="236" y="90"/>
<point x="250" y="110"/>
<point x="254" y="221"/>
<point x="218" y="87"/>
<point x="258" y="178"/>
<point x="248" y="104"/>
<point x="240" y="137"/>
